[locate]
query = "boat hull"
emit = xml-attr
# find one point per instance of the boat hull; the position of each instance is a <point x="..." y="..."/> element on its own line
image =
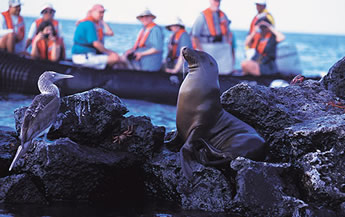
<point x="20" y="75"/>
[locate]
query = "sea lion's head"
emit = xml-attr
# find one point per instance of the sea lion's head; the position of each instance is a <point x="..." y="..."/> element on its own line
<point x="199" y="59"/>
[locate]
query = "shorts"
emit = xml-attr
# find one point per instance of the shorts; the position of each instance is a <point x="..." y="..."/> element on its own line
<point x="97" y="61"/>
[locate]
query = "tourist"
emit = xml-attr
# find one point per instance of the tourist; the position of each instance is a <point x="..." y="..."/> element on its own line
<point x="211" y="33"/>
<point x="88" y="48"/>
<point x="179" y="38"/>
<point x="262" y="12"/>
<point x="147" y="52"/>
<point x="46" y="44"/>
<point x="12" y="28"/>
<point x="47" y="12"/>
<point x="264" y="38"/>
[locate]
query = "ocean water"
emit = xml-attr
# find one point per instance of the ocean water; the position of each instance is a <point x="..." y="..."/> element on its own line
<point x="317" y="54"/>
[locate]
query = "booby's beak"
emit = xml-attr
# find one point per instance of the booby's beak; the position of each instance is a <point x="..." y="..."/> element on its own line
<point x="59" y="76"/>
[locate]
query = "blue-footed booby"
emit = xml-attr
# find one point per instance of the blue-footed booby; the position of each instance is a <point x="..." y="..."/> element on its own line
<point x="42" y="112"/>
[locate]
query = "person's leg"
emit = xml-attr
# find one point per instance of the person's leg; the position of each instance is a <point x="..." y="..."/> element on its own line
<point x="7" y="42"/>
<point x="250" y="67"/>
<point x="113" y="58"/>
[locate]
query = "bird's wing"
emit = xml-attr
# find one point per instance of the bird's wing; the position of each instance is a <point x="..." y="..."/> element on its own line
<point x="39" y="116"/>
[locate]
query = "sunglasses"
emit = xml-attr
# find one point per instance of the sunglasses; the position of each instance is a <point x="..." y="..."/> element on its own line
<point x="48" y="11"/>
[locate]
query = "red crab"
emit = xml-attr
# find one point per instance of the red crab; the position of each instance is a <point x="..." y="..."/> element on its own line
<point x="297" y="79"/>
<point x="123" y="136"/>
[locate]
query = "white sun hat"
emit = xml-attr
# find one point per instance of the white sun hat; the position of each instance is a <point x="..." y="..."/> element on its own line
<point x="177" y="22"/>
<point x="46" y="6"/>
<point x="260" y="2"/>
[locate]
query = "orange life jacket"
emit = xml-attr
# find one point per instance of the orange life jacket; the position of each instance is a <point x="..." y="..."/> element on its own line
<point x="143" y="35"/>
<point x="9" y="24"/>
<point x="210" y="23"/>
<point x="99" y="27"/>
<point x="45" y="49"/>
<point x="173" y="43"/>
<point x="260" y="42"/>
<point x="55" y="24"/>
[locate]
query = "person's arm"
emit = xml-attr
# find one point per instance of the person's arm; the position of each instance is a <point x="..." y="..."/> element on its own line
<point x="196" y="43"/>
<point x="34" y="51"/>
<point x="108" y="30"/>
<point x="56" y="49"/>
<point x="100" y="47"/>
<point x="279" y="36"/>
<point x="250" y="37"/>
<point x="31" y="35"/>
<point x="139" y="55"/>
<point x="178" y="66"/>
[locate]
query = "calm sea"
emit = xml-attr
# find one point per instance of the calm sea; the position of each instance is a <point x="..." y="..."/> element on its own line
<point x="317" y="54"/>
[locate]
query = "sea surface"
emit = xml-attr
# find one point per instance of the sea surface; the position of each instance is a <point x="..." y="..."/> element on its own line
<point x="317" y="54"/>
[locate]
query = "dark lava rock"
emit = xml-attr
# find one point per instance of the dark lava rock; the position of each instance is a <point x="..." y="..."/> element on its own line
<point x="279" y="114"/>
<point x="209" y="189"/>
<point x="21" y="188"/>
<point x="335" y="79"/>
<point x="8" y="144"/>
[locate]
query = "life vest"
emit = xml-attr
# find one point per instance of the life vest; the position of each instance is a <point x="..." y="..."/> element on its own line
<point x="143" y="35"/>
<point x="20" y="25"/>
<point x="99" y="27"/>
<point x="173" y="43"/>
<point x="45" y="49"/>
<point x="210" y="23"/>
<point x="260" y="42"/>
<point x="55" y="24"/>
<point x="265" y="13"/>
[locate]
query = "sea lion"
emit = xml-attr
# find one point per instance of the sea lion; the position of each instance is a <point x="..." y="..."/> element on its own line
<point x="209" y="133"/>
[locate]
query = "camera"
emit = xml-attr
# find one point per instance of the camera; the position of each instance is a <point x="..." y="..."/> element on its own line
<point x="46" y="35"/>
<point x="131" y="56"/>
<point x="217" y="38"/>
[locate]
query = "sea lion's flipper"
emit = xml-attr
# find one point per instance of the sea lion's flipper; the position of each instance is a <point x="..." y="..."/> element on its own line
<point x="223" y="157"/>
<point x="173" y="141"/>
<point x="187" y="153"/>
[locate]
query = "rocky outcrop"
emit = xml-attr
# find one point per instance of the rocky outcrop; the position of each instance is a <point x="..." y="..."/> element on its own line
<point x="98" y="154"/>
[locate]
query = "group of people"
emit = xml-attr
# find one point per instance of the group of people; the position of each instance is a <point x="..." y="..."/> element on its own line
<point x="210" y="32"/>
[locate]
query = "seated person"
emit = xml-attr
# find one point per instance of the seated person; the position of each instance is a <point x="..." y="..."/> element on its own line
<point x="47" y="13"/>
<point x="12" y="28"/>
<point x="88" y="48"/>
<point x="46" y="45"/>
<point x="146" y="54"/>
<point x="264" y="40"/>
<point x="180" y="38"/>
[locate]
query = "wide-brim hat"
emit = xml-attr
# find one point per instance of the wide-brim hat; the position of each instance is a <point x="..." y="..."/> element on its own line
<point x="260" y="2"/>
<point x="14" y="3"/>
<point x="176" y="22"/>
<point x="146" y="12"/>
<point x="46" y="6"/>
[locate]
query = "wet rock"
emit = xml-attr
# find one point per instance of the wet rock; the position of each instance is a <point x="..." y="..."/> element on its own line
<point x="277" y="112"/>
<point x="265" y="189"/>
<point x="8" y="144"/>
<point x="21" y="188"/>
<point x="335" y="79"/>
<point x="209" y="189"/>
<point x="94" y="168"/>
<point x="88" y="116"/>
<point x="70" y="171"/>
<point x="324" y="177"/>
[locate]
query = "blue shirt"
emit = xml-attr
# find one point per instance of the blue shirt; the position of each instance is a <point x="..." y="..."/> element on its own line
<point x="154" y="40"/>
<point x="84" y="35"/>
